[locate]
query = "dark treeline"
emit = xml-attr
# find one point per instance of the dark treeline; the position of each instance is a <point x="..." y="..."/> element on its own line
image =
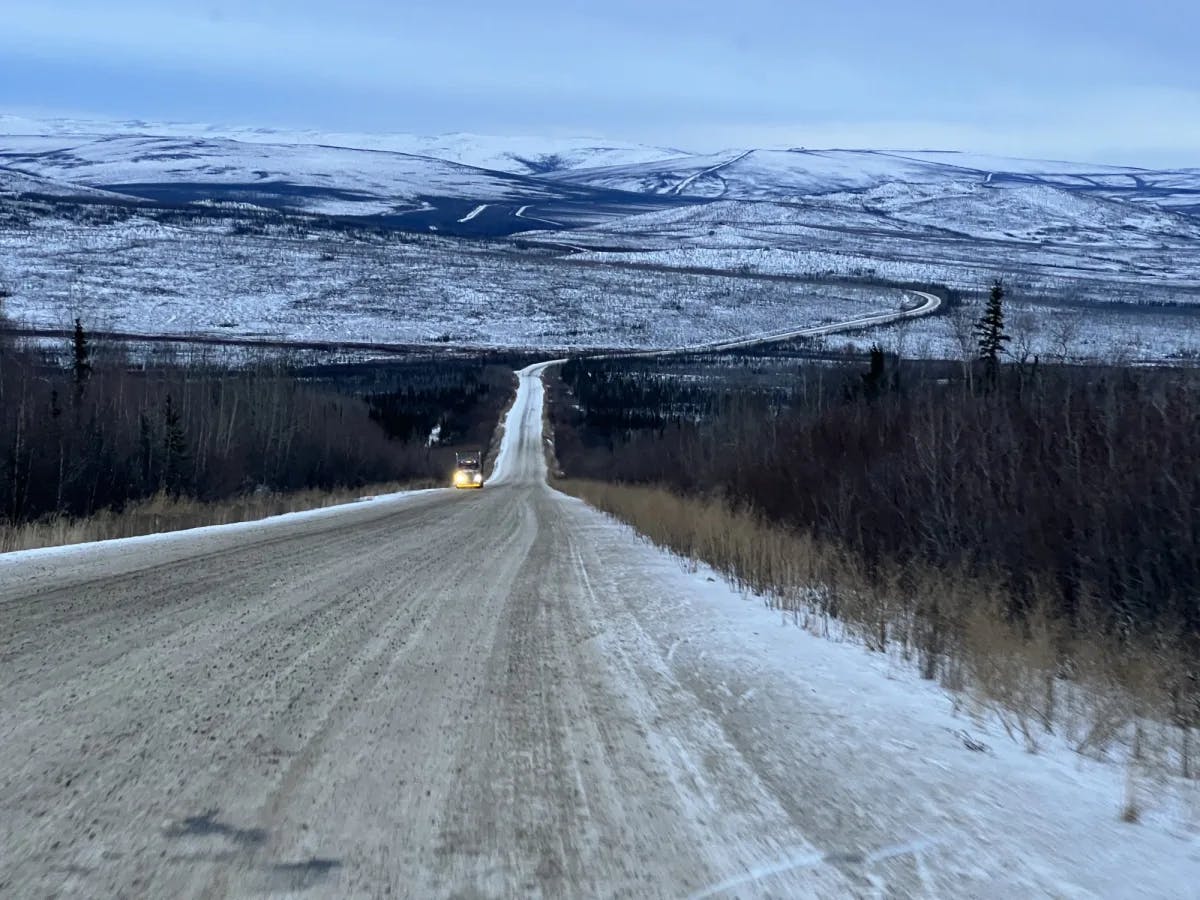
<point x="86" y="433"/>
<point x="439" y="394"/>
<point x="1081" y="485"/>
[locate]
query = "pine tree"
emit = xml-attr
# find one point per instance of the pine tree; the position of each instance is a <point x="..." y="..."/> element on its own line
<point x="881" y="378"/>
<point x="174" y="448"/>
<point x="989" y="331"/>
<point x="874" y="380"/>
<point x="82" y="354"/>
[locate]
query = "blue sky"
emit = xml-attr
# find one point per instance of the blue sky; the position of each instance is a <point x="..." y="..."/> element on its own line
<point x="1107" y="80"/>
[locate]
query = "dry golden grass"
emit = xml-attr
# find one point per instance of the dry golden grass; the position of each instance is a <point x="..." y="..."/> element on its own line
<point x="1105" y="698"/>
<point x="164" y="513"/>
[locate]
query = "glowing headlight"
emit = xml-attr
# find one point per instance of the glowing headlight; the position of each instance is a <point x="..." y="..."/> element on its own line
<point x="479" y="478"/>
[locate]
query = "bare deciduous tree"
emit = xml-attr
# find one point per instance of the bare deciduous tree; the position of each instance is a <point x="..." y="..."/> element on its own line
<point x="1065" y="328"/>
<point x="1025" y="334"/>
<point x="962" y="321"/>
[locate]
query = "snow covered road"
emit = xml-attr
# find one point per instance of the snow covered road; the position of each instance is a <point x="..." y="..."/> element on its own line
<point x="928" y="305"/>
<point x="494" y="694"/>
<point x="473" y="213"/>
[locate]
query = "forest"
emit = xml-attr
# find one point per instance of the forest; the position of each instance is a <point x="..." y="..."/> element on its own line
<point x="1074" y="487"/>
<point x="87" y="428"/>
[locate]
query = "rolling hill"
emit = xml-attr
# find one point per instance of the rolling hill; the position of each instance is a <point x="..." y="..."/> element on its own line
<point x="791" y="175"/>
<point x="650" y="217"/>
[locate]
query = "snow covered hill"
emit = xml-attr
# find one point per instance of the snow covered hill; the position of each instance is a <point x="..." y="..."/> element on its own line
<point x="306" y="178"/>
<point x="530" y="155"/>
<point x="1058" y="230"/>
<point x="1030" y="211"/>
<point x="15" y="183"/>
<point x="791" y="175"/>
<point x="394" y="174"/>
<point x="588" y="162"/>
<point x="1001" y="212"/>
<point x="1047" y="241"/>
<point x="762" y="174"/>
<point x="516" y="155"/>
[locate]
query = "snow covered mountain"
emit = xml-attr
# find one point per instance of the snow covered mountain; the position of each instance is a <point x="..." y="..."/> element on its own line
<point x="736" y="174"/>
<point x="514" y="155"/>
<point x="399" y="190"/>
<point x="792" y="175"/>
<point x="331" y="180"/>
<point x="611" y="244"/>
<point x="475" y="185"/>
<point x="760" y="174"/>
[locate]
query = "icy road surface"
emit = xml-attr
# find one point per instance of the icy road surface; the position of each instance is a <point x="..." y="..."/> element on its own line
<point x="497" y="694"/>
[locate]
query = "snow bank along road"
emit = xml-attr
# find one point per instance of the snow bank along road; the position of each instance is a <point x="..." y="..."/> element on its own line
<point x="494" y="694"/>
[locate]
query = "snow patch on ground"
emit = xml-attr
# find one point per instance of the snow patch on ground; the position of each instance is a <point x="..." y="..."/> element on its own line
<point x="188" y="536"/>
<point x="1026" y="825"/>
<point x="146" y="277"/>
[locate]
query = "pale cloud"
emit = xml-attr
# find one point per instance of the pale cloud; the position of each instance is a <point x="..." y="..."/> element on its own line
<point x="1145" y="126"/>
<point x="1062" y="78"/>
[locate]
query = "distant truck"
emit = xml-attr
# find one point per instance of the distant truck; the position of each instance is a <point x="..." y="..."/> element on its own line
<point x="468" y="469"/>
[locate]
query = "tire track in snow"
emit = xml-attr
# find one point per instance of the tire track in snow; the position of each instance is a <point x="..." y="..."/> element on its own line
<point x="812" y="860"/>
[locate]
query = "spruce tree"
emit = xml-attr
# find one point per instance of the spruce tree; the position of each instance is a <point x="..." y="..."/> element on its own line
<point x="989" y="331"/>
<point x="174" y="448"/>
<point x="82" y="354"/>
<point x="874" y="381"/>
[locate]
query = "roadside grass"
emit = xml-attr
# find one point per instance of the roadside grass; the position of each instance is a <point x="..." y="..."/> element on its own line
<point x="162" y="513"/>
<point x="1126" y="700"/>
